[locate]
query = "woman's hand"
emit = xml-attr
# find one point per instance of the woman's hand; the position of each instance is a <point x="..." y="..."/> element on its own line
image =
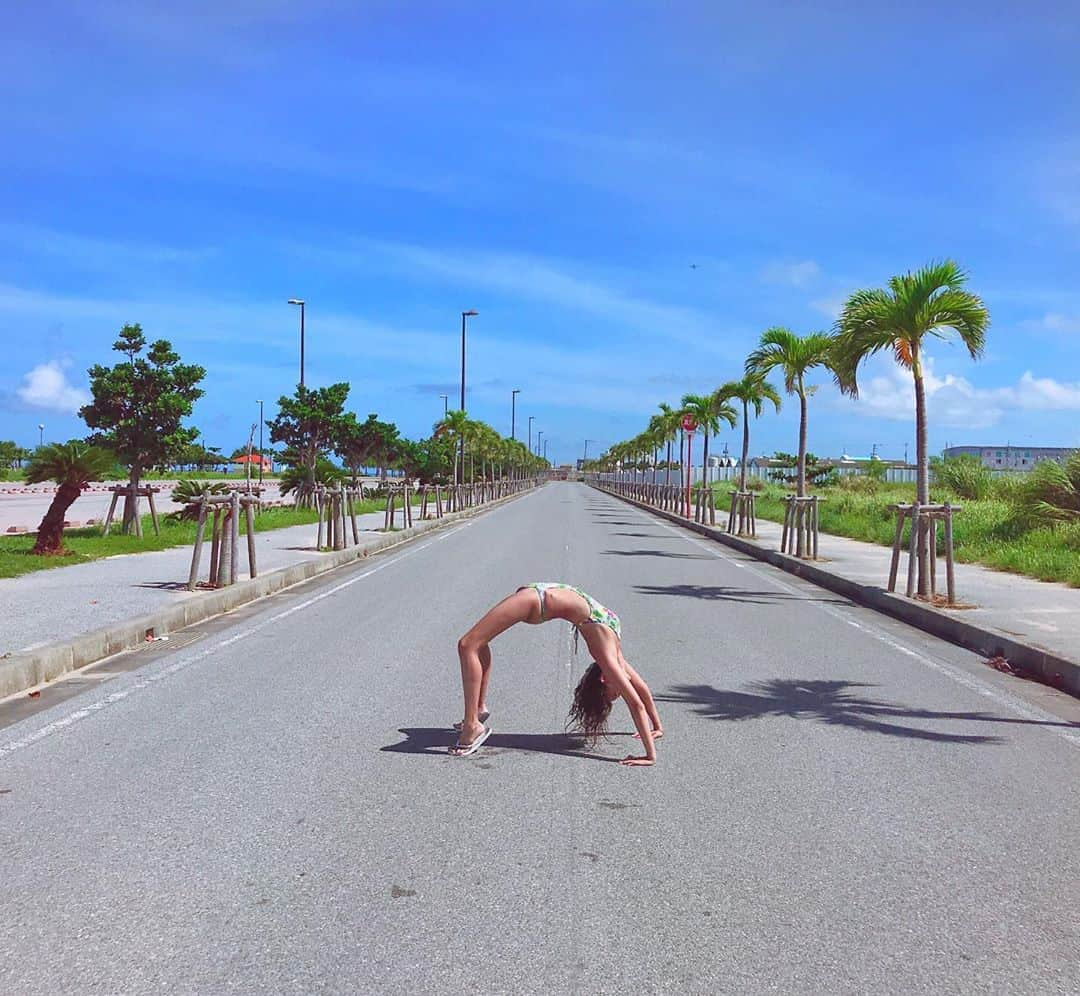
<point x="637" y="762"/>
<point x="656" y="734"/>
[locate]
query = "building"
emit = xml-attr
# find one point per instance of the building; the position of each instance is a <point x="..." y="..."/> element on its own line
<point x="1009" y="457"/>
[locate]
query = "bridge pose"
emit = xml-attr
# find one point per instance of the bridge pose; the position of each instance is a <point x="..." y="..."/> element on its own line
<point x="608" y="678"/>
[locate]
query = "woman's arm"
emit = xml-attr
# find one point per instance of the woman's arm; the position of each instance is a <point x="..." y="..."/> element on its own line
<point x="646" y="699"/>
<point x="617" y="677"/>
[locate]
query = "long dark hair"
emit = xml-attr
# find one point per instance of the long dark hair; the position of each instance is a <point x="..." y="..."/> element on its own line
<point x="590" y="708"/>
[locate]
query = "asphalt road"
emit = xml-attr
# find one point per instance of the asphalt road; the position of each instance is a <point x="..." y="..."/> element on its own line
<point x="841" y="804"/>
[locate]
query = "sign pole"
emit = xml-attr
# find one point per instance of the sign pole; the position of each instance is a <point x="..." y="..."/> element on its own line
<point x="689" y="425"/>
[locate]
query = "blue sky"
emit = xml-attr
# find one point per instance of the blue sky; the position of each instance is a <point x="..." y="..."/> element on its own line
<point x="628" y="193"/>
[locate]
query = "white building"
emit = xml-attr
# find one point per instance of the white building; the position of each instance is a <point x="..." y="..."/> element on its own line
<point x="1009" y="457"/>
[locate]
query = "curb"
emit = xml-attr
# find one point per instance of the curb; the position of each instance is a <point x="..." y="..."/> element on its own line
<point x="21" y="671"/>
<point x="1033" y="661"/>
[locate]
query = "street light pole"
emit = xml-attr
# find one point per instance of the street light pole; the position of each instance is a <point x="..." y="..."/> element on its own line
<point x="296" y="300"/>
<point x="465" y="314"/>
<point x="445" y="403"/>
<point x="539" y="433"/>
<point x="531" y="417"/>
<point x="513" y="411"/>
<point x="260" y="443"/>
<point x="545" y="450"/>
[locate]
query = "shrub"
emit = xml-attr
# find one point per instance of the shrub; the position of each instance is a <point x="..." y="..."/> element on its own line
<point x="1051" y="492"/>
<point x="965" y="476"/>
<point x="189" y="492"/>
<point x="857" y="484"/>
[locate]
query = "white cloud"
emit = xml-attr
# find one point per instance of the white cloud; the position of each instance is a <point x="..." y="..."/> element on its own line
<point x="793" y="274"/>
<point x="47" y="386"/>
<point x="828" y="306"/>
<point x="1053" y="322"/>
<point x="955" y="401"/>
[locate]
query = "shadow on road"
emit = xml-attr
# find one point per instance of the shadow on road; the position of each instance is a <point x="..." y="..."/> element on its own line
<point x="835" y="704"/>
<point x="723" y="593"/>
<point x="436" y="741"/>
<point x="643" y="535"/>
<point x="654" y="553"/>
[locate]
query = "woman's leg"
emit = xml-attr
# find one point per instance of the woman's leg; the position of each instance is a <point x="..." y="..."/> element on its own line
<point x="475" y="654"/>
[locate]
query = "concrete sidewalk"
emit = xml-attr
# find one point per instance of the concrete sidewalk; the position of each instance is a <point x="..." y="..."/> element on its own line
<point x="1033" y="624"/>
<point x="48" y="606"/>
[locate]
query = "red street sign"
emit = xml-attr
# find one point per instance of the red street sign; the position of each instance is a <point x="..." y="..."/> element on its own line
<point x="688" y="423"/>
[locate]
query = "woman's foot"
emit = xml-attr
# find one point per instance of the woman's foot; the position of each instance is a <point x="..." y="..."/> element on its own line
<point x="483" y="715"/>
<point x="469" y="745"/>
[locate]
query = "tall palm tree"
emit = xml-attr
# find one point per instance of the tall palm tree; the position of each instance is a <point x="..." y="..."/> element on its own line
<point x="669" y="429"/>
<point x="72" y="466"/>
<point x="929" y="301"/>
<point x="708" y="410"/>
<point x="753" y="391"/>
<point x="455" y="424"/>
<point x="794" y="356"/>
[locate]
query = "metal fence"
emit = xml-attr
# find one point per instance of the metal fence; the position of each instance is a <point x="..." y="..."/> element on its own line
<point x="893" y="475"/>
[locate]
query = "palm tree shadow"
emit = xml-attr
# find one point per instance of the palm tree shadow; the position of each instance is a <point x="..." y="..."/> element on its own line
<point x="725" y="593"/>
<point x="436" y="741"/>
<point x="835" y="704"/>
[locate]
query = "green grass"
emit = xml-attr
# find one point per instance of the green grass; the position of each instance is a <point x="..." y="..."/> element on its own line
<point x="984" y="532"/>
<point x="88" y="544"/>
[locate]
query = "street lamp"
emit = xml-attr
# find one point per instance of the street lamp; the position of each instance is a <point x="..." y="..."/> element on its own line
<point x="539" y="433"/>
<point x="513" y="411"/>
<point x="296" y="300"/>
<point x="531" y="417"/>
<point x="465" y="314"/>
<point x="545" y="450"/>
<point x="260" y="442"/>
<point x="445" y="402"/>
<point x="41" y="434"/>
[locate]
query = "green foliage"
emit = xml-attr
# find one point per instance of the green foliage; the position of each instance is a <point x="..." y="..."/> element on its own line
<point x="83" y="545"/>
<point x="188" y="492"/>
<point x="302" y="479"/>
<point x="139" y="405"/>
<point x="1051" y="492"/>
<point x="986" y="532"/>
<point x="859" y="484"/>
<point x="817" y="473"/>
<point x="965" y="476"/>
<point x="74" y="464"/>
<point x="309" y="422"/>
<point x="875" y="470"/>
<point x="430" y="460"/>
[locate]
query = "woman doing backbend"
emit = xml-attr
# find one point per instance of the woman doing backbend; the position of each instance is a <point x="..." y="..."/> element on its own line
<point x="608" y="678"/>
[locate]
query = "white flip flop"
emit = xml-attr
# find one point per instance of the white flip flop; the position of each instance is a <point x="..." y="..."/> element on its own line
<point x="482" y="716"/>
<point x="464" y="750"/>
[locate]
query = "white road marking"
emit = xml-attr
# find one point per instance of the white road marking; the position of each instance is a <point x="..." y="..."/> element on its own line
<point x="145" y="681"/>
<point x="959" y="677"/>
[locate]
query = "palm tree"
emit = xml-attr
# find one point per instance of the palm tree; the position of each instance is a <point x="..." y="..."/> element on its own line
<point x="753" y="390"/>
<point x="708" y="410"/>
<point x="455" y="424"/>
<point x="669" y="422"/>
<point x="72" y="466"/>
<point x="794" y="356"/>
<point x="929" y="301"/>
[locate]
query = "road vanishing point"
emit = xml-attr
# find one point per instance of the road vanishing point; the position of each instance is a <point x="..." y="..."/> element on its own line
<point x="265" y="804"/>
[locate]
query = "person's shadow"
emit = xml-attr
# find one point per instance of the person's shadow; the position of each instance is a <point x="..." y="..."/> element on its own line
<point x="437" y="741"/>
